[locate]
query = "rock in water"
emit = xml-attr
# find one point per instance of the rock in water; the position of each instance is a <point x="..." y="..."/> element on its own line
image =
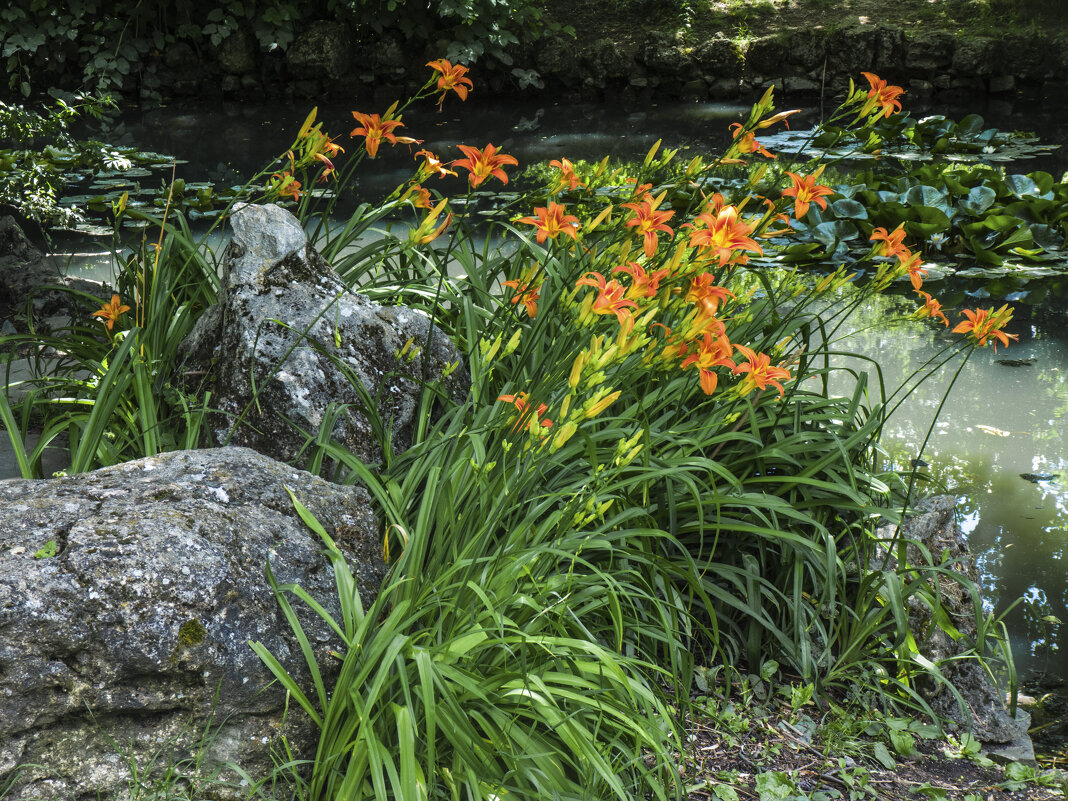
<point x="29" y="280"/>
<point x="128" y="641"/>
<point x="986" y="716"/>
<point x="288" y="339"/>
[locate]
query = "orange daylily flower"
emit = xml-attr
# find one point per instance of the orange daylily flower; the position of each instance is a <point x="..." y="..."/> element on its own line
<point x="427" y="232"/>
<point x="747" y="143"/>
<point x="484" y="163"/>
<point x="675" y="347"/>
<point x="776" y="118"/>
<point x="432" y="166"/>
<point x="893" y="243"/>
<point x="642" y="285"/>
<point x="759" y="371"/>
<point x="723" y="236"/>
<point x="525" y="293"/>
<point x="551" y="222"/>
<point x="881" y="95"/>
<point x="315" y="141"/>
<point x="419" y="196"/>
<point x="329" y="168"/>
<point x="806" y="191"/>
<point x="567" y="178"/>
<point x="986" y="323"/>
<point x="610" y="299"/>
<point x="914" y="268"/>
<point x="716" y="203"/>
<point x="648" y="221"/>
<point x="329" y="146"/>
<point x="714" y="350"/>
<point x="930" y="308"/>
<point x="287" y="185"/>
<point x="639" y="189"/>
<point x="374" y="129"/>
<point x="522" y="405"/>
<point x="451" y="77"/>
<point x="706" y="295"/>
<point x="110" y="312"/>
<point x="320" y="142"/>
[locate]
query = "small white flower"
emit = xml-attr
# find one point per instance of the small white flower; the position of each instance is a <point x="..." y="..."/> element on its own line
<point x="937" y="240"/>
<point x="988" y="149"/>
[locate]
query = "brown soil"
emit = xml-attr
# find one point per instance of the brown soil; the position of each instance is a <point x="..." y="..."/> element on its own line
<point x="770" y="743"/>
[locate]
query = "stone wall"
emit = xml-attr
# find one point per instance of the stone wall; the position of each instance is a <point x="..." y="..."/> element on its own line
<point x="326" y="59"/>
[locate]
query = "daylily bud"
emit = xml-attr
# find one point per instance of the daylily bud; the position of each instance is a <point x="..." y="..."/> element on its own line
<point x="426" y="232"/>
<point x="513" y="343"/>
<point x="652" y="153"/>
<point x="487" y="350"/>
<point x="782" y="115"/>
<point x="308" y="122"/>
<point x="602" y="165"/>
<point x="567" y="430"/>
<point x="119" y="207"/>
<point x="601" y="403"/>
<point x="576" y="369"/>
<point x="600" y="218"/>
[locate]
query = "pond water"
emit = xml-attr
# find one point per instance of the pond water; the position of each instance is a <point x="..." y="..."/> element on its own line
<point x="1000" y="444"/>
<point x="999" y="423"/>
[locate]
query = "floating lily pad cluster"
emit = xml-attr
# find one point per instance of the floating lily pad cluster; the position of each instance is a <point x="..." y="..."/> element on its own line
<point x="904" y="138"/>
<point x="1001" y="231"/>
<point x="96" y="182"/>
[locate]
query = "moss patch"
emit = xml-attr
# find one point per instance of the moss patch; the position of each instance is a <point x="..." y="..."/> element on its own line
<point x="190" y="633"/>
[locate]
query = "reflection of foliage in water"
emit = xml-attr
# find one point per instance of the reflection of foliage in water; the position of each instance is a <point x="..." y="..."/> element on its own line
<point x="1017" y="533"/>
<point x="1001" y="422"/>
<point x="1055" y="384"/>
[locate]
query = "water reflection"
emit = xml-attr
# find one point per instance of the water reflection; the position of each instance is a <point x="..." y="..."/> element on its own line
<point x="999" y="424"/>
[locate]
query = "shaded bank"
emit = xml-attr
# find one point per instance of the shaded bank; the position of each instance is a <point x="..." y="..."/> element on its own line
<point x="625" y="50"/>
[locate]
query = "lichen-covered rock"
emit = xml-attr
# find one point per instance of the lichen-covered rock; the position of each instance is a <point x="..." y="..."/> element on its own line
<point x="766" y="54"/>
<point x="288" y="340"/>
<point x="607" y="62"/>
<point x="719" y="57"/>
<point x="663" y="54"/>
<point x="929" y="52"/>
<point x="133" y="635"/>
<point x="935" y="528"/>
<point x="237" y="53"/>
<point x="320" y="51"/>
<point x="976" y="56"/>
<point x="851" y="49"/>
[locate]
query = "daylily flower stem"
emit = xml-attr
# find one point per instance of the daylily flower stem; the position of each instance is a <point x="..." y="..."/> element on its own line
<point x="897" y="544"/>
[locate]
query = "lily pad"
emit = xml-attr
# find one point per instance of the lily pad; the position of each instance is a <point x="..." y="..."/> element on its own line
<point x="979" y="199"/>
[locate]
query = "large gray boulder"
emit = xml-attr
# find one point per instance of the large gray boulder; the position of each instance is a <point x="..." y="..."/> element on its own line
<point x="123" y="646"/>
<point x="287" y="339"/>
<point x="934" y="528"/>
